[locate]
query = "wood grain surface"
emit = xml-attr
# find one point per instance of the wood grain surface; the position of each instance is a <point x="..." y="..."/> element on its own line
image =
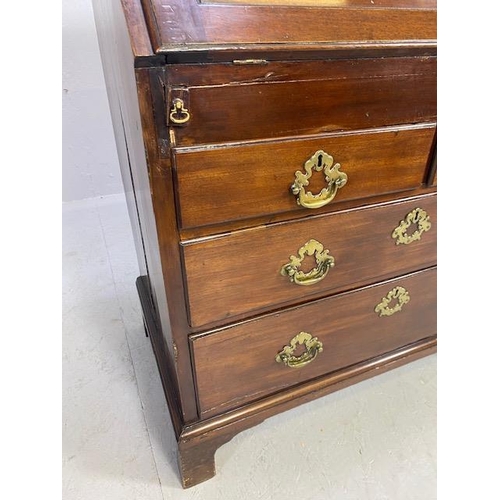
<point x="420" y="4"/>
<point x="222" y="184"/>
<point x="285" y="100"/>
<point x="148" y="183"/>
<point x="184" y="25"/>
<point x="211" y="231"/>
<point x="239" y="273"/>
<point x="237" y="364"/>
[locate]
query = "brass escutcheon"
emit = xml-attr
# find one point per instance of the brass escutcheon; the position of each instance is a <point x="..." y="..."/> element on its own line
<point x="312" y="348"/>
<point x="418" y="217"/>
<point x="323" y="263"/>
<point x="179" y="114"/>
<point x="399" y="294"/>
<point x="319" y="161"/>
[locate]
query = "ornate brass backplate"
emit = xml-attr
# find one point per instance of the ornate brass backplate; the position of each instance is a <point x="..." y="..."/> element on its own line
<point x="319" y="161"/>
<point x="418" y="217"/>
<point x="399" y="294"/>
<point x="323" y="263"/>
<point x="312" y="348"/>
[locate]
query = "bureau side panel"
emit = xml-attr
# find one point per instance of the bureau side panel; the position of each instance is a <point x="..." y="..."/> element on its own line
<point x="133" y="122"/>
<point x="113" y="35"/>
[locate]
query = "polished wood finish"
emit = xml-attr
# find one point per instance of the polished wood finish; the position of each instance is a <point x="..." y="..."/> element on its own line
<point x="421" y="4"/>
<point x="233" y="183"/>
<point x="201" y="232"/>
<point x="432" y="173"/>
<point x="187" y="25"/>
<point x="211" y="211"/>
<point x="165" y="273"/>
<point x="289" y="99"/>
<point x="163" y="360"/>
<point x="199" y="441"/>
<point x="250" y="261"/>
<point x="129" y="91"/>
<point x="237" y="364"/>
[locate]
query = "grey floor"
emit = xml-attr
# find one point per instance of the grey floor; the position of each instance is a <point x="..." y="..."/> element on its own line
<point x="373" y="441"/>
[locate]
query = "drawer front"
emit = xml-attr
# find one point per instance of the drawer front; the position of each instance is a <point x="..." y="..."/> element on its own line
<point x="235" y="103"/>
<point x="239" y="364"/>
<point x="243" y="272"/>
<point x="231" y="183"/>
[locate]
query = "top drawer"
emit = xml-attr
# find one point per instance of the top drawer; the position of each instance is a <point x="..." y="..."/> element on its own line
<point x="229" y="102"/>
<point x="300" y="176"/>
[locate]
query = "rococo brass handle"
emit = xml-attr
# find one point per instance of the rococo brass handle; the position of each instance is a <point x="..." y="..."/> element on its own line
<point x="400" y="295"/>
<point x="323" y="263"/>
<point x="418" y="217"/>
<point x="312" y="348"/>
<point x="179" y="114"/>
<point x="319" y="161"/>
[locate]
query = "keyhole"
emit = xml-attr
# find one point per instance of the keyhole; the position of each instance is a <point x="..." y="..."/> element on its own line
<point x="320" y="160"/>
<point x="392" y="303"/>
<point x="299" y="350"/>
<point x="308" y="263"/>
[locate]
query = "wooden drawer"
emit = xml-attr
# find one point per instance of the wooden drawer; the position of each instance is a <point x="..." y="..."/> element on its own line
<point x="231" y="183"/>
<point x="241" y="103"/>
<point x="239" y="273"/>
<point x="238" y="364"/>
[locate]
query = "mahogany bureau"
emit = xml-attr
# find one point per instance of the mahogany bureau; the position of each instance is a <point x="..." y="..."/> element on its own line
<point x="278" y="158"/>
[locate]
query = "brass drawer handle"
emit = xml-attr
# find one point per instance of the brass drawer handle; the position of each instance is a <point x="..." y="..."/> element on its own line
<point x="323" y="263"/>
<point x="319" y="161"/>
<point x="402" y="297"/>
<point x="418" y="217"/>
<point x="312" y="348"/>
<point x="179" y="114"/>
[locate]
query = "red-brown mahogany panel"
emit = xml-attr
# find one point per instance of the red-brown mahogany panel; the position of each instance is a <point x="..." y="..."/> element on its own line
<point x="422" y="4"/>
<point x="332" y="96"/>
<point x="185" y="25"/>
<point x="217" y="185"/>
<point x="237" y="364"/>
<point x="239" y="272"/>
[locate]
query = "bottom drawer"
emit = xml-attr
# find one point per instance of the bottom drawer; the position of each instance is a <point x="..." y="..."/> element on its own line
<point x="241" y="363"/>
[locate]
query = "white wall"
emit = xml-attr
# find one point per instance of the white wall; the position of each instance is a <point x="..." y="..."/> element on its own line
<point x="90" y="164"/>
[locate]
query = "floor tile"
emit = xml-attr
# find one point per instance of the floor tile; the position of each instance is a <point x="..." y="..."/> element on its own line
<point x="106" y="447"/>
